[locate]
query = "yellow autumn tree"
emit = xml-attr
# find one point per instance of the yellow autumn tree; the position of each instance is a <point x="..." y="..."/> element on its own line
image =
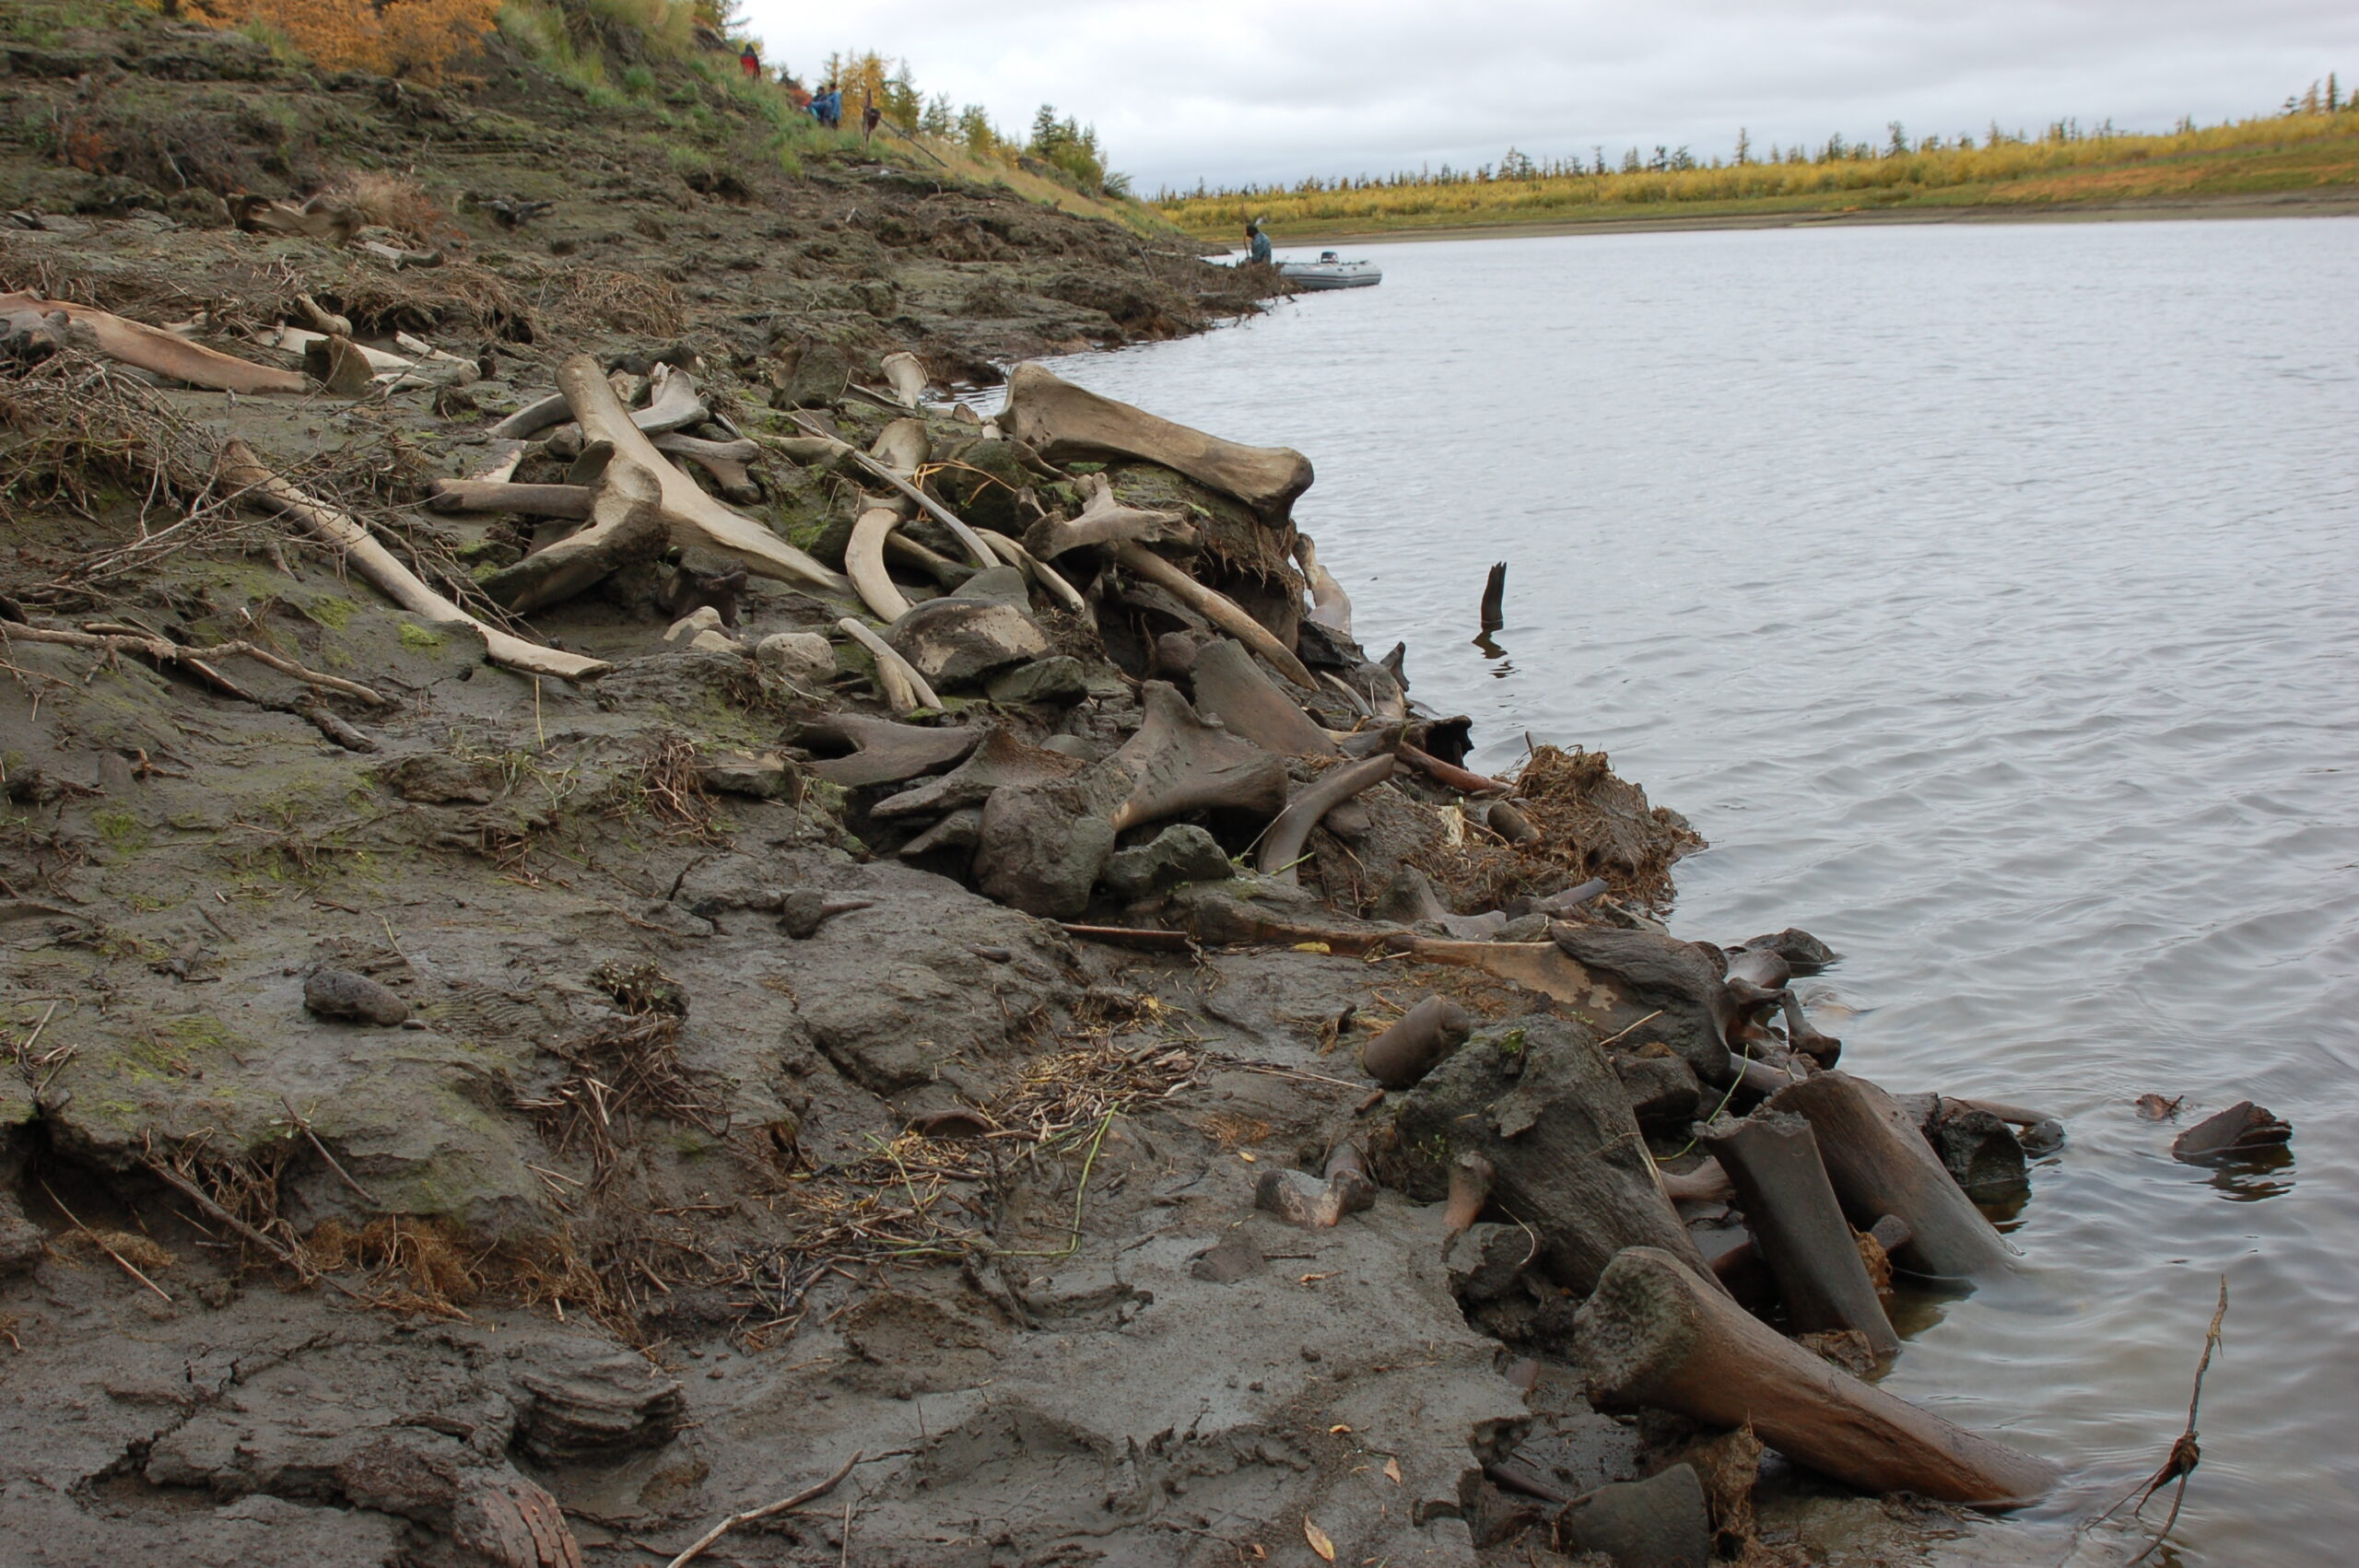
<point x="399" y="38"/>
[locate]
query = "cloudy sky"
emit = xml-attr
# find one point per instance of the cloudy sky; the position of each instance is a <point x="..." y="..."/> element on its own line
<point x="1229" y="90"/>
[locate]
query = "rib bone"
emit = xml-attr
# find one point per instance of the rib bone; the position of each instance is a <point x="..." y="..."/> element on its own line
<point x="150" y="348"/>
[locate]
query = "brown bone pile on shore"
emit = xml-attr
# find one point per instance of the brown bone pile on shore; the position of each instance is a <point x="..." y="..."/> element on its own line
<point x="1066" y="657"/>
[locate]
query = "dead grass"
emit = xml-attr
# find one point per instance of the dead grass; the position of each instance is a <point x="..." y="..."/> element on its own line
<point x="1591" y="822"/>
<point x="393" y="201"/>
<point x="584" y="299"/>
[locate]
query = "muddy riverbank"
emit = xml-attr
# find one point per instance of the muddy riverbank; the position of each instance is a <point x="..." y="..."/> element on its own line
<point x="531" y="1036"/>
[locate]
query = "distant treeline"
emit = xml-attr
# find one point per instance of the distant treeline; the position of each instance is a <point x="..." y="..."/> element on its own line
<point x="1882" y="171"/>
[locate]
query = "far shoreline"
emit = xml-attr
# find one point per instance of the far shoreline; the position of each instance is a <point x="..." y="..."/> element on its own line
<point x="2336" y="203"/>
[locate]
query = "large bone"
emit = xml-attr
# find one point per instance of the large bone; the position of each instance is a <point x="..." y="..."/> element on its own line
<point x="1217" y="608"/>
<point x="884" y="752"/>
<point x="1880" y="1164"/>
<point x="1104" y="520"/>
<point x="1789" y="1206"/>
<point x="644" y="506"/>
<point x="495" y="495"/>
<point x="1064" y="423"/>
<point x="905" y="375"/>
<point x="242" y="472"/>
<point x="1180" y="763"/>
<point x="1231" y="689"/>
<point x="1653" y="1334"/>
<point x="1001" y="760"/>
<point x="905" y="689"/>
<point x="674" y="406"/>
<point x="1330" y="606"/>
<point x="151" y="348"/>
<point x="864" y="560"/>
<point x="1282" y="846"/>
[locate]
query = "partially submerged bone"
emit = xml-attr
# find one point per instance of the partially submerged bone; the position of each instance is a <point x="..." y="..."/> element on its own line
<point x="1063" y="422"/>
<point x="1653" y="1334"/>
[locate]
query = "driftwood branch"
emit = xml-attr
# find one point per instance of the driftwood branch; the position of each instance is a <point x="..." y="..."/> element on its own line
<point x="808" y="1494"/>
<point x="162" y="651"/>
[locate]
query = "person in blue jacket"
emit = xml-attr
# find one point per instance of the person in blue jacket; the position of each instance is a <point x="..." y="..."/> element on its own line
<point x="827" y="107"/>
<point x="1257" y="244"/>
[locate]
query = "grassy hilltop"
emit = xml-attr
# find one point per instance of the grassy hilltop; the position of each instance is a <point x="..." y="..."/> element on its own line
<point x="2301" y="159"/>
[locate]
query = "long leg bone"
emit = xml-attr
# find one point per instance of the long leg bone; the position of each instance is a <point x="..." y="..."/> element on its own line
<point x="1217" y="608"/>
<point x="905" y="689"/>
<point x="151" y="348"/>
<point x="242" y="471"/>
<point x="1653" y="1334"/>
<point x="1797" y="1226"/>
<point x="1064" y="422"/>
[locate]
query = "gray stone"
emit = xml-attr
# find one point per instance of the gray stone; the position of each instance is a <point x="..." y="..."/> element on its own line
<point x="1181" y="853"/>
<point x="995" y="585"/>
<point x="1663" y="1090"/>
<point x="1058" y="679"/>
<point x="819" y="377"/>
<point x="340" y="993"/>
<point x="957" y="642"/>
<point x="769" y="777"/>
<point x="1656" y="1523"/>
<point x="1524" y="927"/>
<point x="804" y="658"/>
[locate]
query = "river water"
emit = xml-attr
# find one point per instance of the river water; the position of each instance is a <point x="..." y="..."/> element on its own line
<point x="1987" y="596"/>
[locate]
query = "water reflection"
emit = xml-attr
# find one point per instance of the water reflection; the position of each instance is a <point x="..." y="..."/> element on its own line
<point x="2000" y="632"/>
<point x="2249" y="1177"/>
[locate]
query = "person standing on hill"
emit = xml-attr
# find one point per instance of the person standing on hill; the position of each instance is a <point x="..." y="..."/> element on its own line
<point x="751" y="63"/>
<point x="1257" y="244"/>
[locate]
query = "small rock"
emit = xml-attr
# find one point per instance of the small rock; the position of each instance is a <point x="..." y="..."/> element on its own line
<point x="1059" y="679"/>
<point x="340" y="993"/>
<point x="1227" y="1263"/>
<point x="996" y="585"/>
<point x="689" y="626"/>
<point x="1525" y="928"/>
<point x="804" y="658"/>
<point x="438" y="778"/>
<point x="1980" y="1151"/>
<point x="769" y="777"/>
<point x="1178" y="854"/>
<point x="713" y="642"/>
<point x="1663" y="1089"/>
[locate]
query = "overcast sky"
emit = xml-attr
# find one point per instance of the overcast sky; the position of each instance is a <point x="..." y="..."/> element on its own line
<point x="1230" y="90"/>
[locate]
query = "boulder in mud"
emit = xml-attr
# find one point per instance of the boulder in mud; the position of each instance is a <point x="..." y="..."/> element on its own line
<point x="1181" y="853"/>
<point x="1537" y="1099"/>
<point x="1684" y="984"/>
<point x="340" y="993"/>
<point x="957" y="642"/>
<point x="805" y="659"/>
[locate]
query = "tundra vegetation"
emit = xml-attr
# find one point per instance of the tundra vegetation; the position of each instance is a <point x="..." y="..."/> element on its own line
<point x="2310" y="148"/>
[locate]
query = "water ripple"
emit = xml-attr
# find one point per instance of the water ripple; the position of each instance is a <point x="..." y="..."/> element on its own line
<point x="1989" y="596"/>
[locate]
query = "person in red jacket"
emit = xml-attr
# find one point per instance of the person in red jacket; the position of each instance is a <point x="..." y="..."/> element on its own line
<point x="751" y="63"/>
